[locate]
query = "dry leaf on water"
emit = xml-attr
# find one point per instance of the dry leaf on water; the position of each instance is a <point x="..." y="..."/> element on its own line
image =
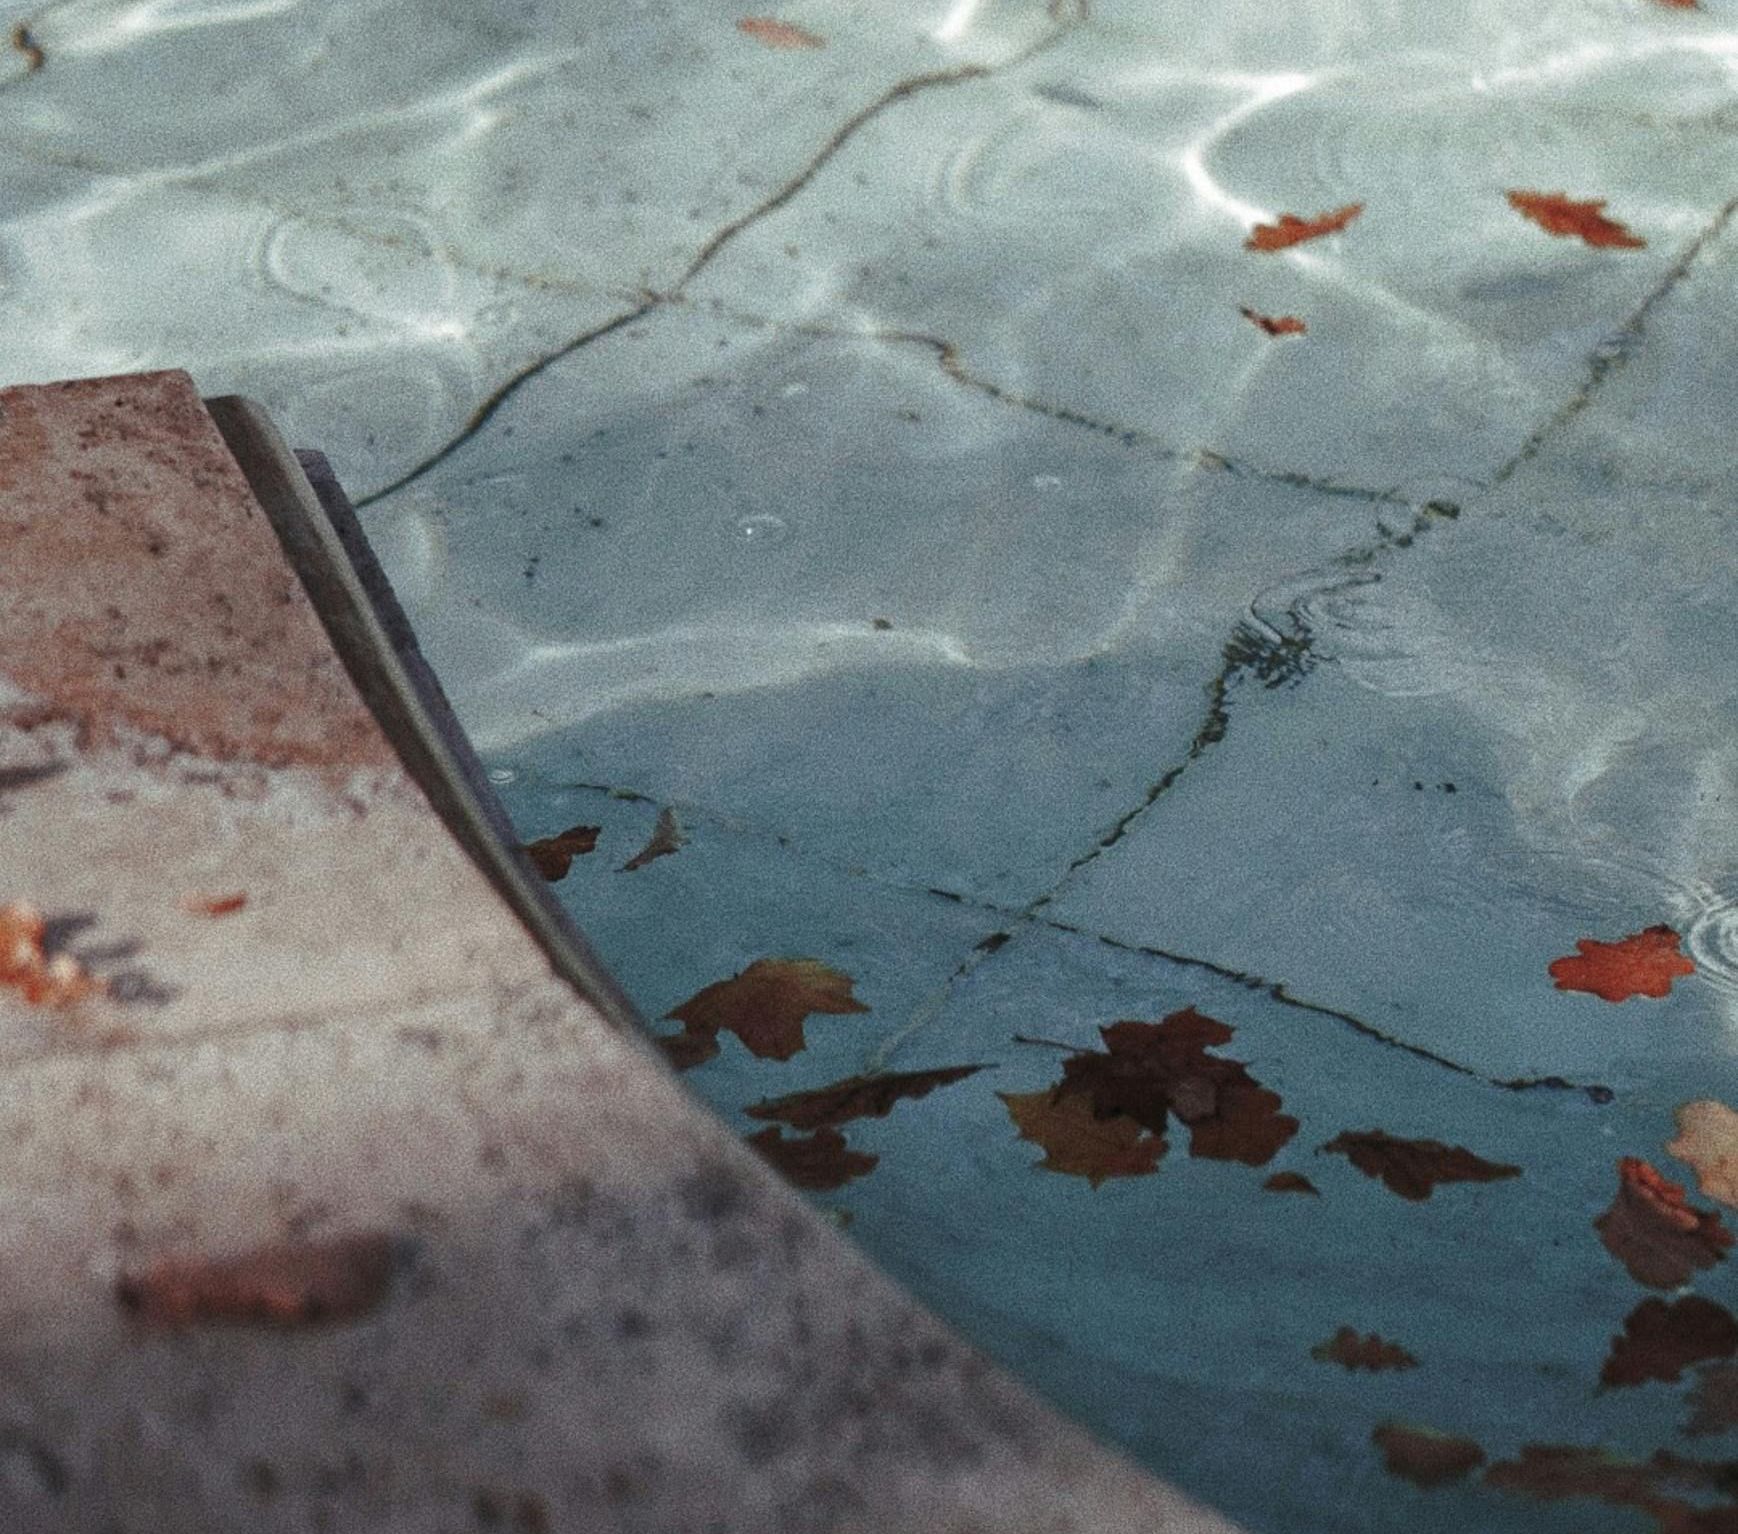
<point x="1425" y="1457"/>
<point x="214" y="905"/>
<point x="27" y="968"/>
<point x="1708" y="1141"/>
<point x="1275" y="324"/>
<point x="1290" y="1182"/>
<point x="1653" y="1232"/>
<point x="1077" y="1141"/>
<point x="764" y="1006"/>
<point x="1292" y="230"/>
<point x="1656" y="1486"/>
<point x="1351" y="1351"/>
<point x="300" y="1285"/>
<point x="1556" y="213"/>
<point x="1661" y="1340"/>
<point x="666" y="837"/>
<point x="778" y="34"/>
<point x="1413" y="1168"/>
<point x="552" y="856"/>
<point x="817" y="1162"/>
<point x="856" y="1097"/>
<point x="1642" y="964"/>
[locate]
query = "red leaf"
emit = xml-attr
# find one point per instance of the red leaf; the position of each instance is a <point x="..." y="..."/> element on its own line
<point x="778" y="34"/>
<point x="764" y="1006"/>
<point x="1425" y="1457"/>
<point x="1653" y="1232"/>
<point x="552" y="856"/>
<point x="1281" y="325"/>
<point x="1079" y="1141"/>
<point x="817" y="1162"/>
<point x="1413" y="1168"/>
<point x="276" y="1285"/>
<point x="856" y="1097"/>
<point x="27" y="968"/>
<point x="1351" y="1351"/>
<point x="1556" y="213"/>
<point x="1292" y="230"/>
<point x="1643" y="964"/>
<point x="1661" y="1340"/>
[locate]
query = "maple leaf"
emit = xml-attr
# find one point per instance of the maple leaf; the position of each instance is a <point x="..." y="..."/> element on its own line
<point x="1351" y="1351"/>
<point x="1714" y="1401"/>
<point x="1661" y="1340"/>
<point x="552" y="856"/>
<point x="1556" y="213"/>
<point x="1642" y="964"/>
<point x="1275" y="325"/>
<point x="1708" y="1141"/>
<point x="1290" y="1182"/>
<point x="301" y="1285"/>
<point x="1292" y="230"/>
<point x="1423" y="1456"/>
<point x="666" y="837"/>
<point x="214" y="905"/>
<point x="856" y="1097"/>
<point x="778" y="34"/>
<point x="1080" y="1141"/>
<point x="817" y="1162"/>
<point x="1413" y="1168"/>
<point x="764" y="1006"/>
<point x="27" y="968"/>
<point x="1150" y="1070"/>
<point x="1654" y="1233"/>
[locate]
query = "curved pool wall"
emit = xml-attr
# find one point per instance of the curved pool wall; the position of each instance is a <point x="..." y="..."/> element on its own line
<point x="828" y="453"/>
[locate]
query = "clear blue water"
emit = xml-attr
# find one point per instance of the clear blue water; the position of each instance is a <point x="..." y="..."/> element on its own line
<point x="856" y="451"/>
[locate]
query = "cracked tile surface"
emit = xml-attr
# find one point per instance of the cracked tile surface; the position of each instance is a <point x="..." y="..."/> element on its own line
<point x="858" y="451"/>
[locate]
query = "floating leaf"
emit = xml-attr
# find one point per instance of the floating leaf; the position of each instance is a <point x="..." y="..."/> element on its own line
<point x="300" y="1285"/>
<point x="1413" y="1168"/>
<point x="666" y="838"/>
<point x="1292" y="230"/>
<point x="778" y="34"/>
<point x="1661" y="1340"/>
<point x="764" y="1006"/>
<point x="552" y="856"/>
<point x="1275" y="325"/>
<point x="214" y="905"/>
<point x="1556" y="213"/>
<point x="1076" y="1140"/>
<point x="1425" y="1457"/>
<point x="27" y="968"/>
<point x="1714" y="1401"/>
<point x="1290" y="1182"/>
<point x="1708" y="1141"/>
<point x="856" y="1097"/>
<point x="1351" y="1351"/>
<point x="1557" y="1472"/>
<point x="817" y="1162"/>
<point x="1654" y="1233"/>
<point x="1643" y="964"/>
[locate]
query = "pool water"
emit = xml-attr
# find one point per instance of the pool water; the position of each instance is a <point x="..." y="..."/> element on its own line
<point x="1212" y="523"/>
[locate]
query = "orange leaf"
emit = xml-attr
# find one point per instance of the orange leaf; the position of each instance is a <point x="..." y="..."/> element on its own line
<point x="764" y="1006"/>
<point x="1076" y="1140"/>
<point x="1654" y="1233"/>
<point x="1660" y="1341"/>
<point x="214" y="905"/>
<point x="856" y="1097"/>
<point x="552" y="856"/>
<point x="1292" y="230"/>
<point x="278" y="1285"/>
<point x="1281" y="325"/>
<point x="1556" y="213"/>
<point x="26" y="967"/>
<point x="1643" y="964"/>
<point x="1424" y="1457"/>
<point x="778" y="34"/>
<point x="816" y="1162"/>
<point x="1351" y="1351"/>
<point x="1413" y="1168"/>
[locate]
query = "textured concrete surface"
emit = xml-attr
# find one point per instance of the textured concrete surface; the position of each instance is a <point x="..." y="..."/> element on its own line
<point x="325" y="1204"/>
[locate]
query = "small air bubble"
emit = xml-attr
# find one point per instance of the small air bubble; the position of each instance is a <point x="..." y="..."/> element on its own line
<point x="760" y="528"/>
<point x="502" y="775"/>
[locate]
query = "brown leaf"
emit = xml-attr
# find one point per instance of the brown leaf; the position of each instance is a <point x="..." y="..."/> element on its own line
<point x="1661" y="1340"/>
<point x="1708" y="1141"/>
<point x="1275" y="325"/>
<point x="687" y="1050"/>
<point x="1077" y="1140"/>
<point x="1714" y="1401"/>
<point x="1556" y="213"/>
<point x="764" y="1006"/>
<point x="300" y="1285"/>
<point x="856" y="1097"/>
<point x="1425" y="1457"/>
<point x="214" y="905"/>
<point x="1643" y="964"/>
<point x="817" y="1162"/>
<point x="1374" y="1353"/>
<point x="778" y="34"/>
<point x="1413" y="1168"/>
<point x="1290" y="1182"/>
<point x="1556" y="1472"/>
<point x="666" y="838"/>
<point x="552" y="856"/>
<point x="1292" y="230"/>
<point x="26" y="967"/>
<point x="1654" y="1233"/>
<point x="1150" y="1070"/>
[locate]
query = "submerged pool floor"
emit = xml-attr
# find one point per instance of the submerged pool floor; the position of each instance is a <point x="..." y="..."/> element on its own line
<point x="1122" y="622"/>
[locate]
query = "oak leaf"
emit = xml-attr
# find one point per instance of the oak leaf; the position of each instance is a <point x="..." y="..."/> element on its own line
<point x="817" y="1162"/>
<point x="1275" y="325"/>
<point x="552" y="856"/>
<point x="1371" y="1352"/>
<point x="1654" y="1233"/>
<point x="27" y="968"/>
<point x="856" y="1097"/>
<point x="778" y="34"/>
<point x="1425" y="1457"/>
<point x="1556" y="213"/>
<point x="764" y="1006"/>
<point x="1708" y="1141"/>
<point x="1642" y="964"/>
<point x="295" y="1285"/>
<point x="1413" y="1168"/>
<point x="666" y="837"/>
<point x="1078" y="1140"/>
<point x="1661" y="1340"/>
<point x="1292" y="230"/>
